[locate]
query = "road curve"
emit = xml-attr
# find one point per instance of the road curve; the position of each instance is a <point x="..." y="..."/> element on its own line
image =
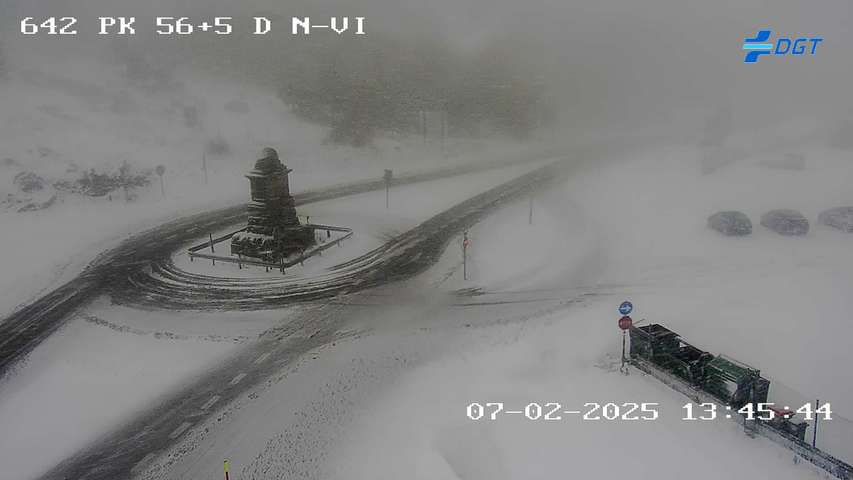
<point x="24" y="329"/>
<point x="126" y="451"/>
<point x="163" y="285"/>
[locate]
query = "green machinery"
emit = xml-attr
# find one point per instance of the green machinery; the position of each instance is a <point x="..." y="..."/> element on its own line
<point x="731" y="382"/>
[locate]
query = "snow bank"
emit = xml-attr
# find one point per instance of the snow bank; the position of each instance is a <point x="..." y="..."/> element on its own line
<point x="419" y="428"/>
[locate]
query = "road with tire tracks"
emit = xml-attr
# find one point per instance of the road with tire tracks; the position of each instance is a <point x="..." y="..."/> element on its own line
<point x="115" y="270"/>
<point x="127" y="450"/>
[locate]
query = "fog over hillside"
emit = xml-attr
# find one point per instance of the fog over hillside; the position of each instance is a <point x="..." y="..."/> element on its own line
<point x="604" y="62"/>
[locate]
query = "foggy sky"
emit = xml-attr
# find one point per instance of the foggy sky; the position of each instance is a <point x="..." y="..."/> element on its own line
<point x="606" y="62"/>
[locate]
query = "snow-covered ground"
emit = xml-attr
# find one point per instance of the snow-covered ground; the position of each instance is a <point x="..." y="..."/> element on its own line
<point x="371" y="222"/>
<point x="775" y="302"/>
<point x="59" y="120"/>
<point x="128" y="358"/>
<point x="107" y="363"/>
<point x="390" y="402"/>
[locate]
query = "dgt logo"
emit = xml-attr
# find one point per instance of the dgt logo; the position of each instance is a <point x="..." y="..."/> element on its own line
<point x="759" y="45"/>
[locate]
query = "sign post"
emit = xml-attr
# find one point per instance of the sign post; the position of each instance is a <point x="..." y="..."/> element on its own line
<point x="625" y="324"/>
<point x="160" y="171"/>
<point x="212" y="260"/>
<point x="388" y="176"/>
<point x="814" y="431"/>
<point x="465" y="243"/>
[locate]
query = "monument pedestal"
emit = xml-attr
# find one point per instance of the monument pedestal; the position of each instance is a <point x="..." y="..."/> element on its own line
<point x="273" y="231"/>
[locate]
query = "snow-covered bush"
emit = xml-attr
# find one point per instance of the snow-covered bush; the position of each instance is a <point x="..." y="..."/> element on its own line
<point x="29" y="182"/>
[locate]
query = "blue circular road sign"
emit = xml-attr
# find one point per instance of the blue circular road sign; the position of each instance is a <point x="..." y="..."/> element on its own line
<point x="626" y="307"/>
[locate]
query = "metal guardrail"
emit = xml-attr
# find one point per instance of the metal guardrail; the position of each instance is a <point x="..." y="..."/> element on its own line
<point x="194" y="250"/>
<point x="815" y="456"/>
<point x="216" y="240"/>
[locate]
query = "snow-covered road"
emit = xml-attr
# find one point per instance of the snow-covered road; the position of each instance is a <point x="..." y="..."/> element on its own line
<point x="389" y="400"/>
<point x="380" y="389"/>
<point x="300" y="325"/>
<point x="120" y="266"/>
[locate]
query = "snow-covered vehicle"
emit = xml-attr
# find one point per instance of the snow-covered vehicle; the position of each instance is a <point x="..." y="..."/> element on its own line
<point x="839" y="217"/>
<point x="730" y="222"/>
<point x="786" y="222"/>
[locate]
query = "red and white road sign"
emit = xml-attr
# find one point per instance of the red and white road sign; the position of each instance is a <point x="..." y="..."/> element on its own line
<point x="625" y="322"/>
